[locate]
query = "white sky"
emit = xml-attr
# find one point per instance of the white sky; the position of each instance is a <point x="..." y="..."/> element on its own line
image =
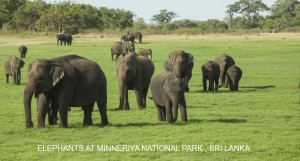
<point x="185" y="9"/>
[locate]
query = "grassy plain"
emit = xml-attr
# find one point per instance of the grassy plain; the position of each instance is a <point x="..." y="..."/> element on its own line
<point x="264" y="114"/>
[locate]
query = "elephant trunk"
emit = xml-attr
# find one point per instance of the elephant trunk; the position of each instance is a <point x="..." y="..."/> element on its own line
<point x="222" y="77"/>
<point x="42" y="107"/>
<point x="28" y="93"/>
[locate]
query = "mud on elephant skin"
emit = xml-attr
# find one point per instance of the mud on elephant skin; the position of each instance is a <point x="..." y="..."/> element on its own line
<point x="68" y="85"/>
<point x="12" y="67"/>
<point x="167" y="93"/>
<point x="210" y="72"/>
<point x="225" y="61"/>
<point x="134" y="72"/>
<point x="121" y="48"/>
<point x="181" y="63"/>
<point x="233" y="76"/>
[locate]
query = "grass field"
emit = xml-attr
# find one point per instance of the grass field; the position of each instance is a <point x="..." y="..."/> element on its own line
<point x="264" y="115"/>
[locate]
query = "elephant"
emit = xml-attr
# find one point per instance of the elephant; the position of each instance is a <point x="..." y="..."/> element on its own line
<point x="134" y="73"/>
<point x="127" y="37"/>
<point x="182" y="64"/>
<point x="210" y="72"/>
<point x="233" y="76"/>
<point x="167" y="92"/>
<point x="67" y="84"/>
<point x="47" y="104"/>
<point x="66" y="38"/>
<point x="12" y="66"/>
<point x="137" y="35"/>
<point x="145" y="52"/>
<point x="225" y="61"/>
<point x="119" y="48"/>
<point x="22" y="50"/>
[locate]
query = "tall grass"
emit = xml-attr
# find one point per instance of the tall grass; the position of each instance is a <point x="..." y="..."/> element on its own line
<point x="264" y="114"/>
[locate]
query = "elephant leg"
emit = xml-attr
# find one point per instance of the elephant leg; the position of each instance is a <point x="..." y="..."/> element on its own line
<point x="145" y="91"/>
<point x="63" y="109"/>
<point x="164" y="114"/>
<point x="204" y="83"/>
<point x="211" y="83"/>
<point x="216" y="84"/>
<point x="237" y="85"/>
<point x="7" y="77"/>
<point x="52" y="113"/>
<point x="139" y="98"/>
<point x="126" y="102"/>
<point x="159" y="113"/>
<point x="169" y="116"/>
<point x="42" y="107"/>
<point x="102" y="103"/>
<point x="183" y="112"/>
<point x="87" y="118"/>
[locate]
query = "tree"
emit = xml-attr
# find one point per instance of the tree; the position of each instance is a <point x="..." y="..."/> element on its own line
<point x="164" y="17"/>
<point x="8" y="7"/>
<point x="249" y="9"/>
<point x="285" y="13"/>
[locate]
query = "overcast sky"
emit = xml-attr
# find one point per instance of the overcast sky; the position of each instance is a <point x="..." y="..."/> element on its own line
<point x="185" y="9"/>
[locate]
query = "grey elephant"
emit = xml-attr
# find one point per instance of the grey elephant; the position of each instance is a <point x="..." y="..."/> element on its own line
<point x="134" y="73"/>
<point x="12" y="66"/>
<point x="67" y="84"/>
<point x="64" y="38"/>
<point x="145" y="52"/>
<point x="121" y="48"/>
<point x="182" y="64"/>
<point x="47" y="104"/>
<point x="225" y="61"/>
<point x="233" y="76"/>
<point x="137" y="35"/>
<point x="127" y="38"/>
<point x="22" y="50"/>
<point x="210" y="72"/>
<point x="167" y="93"/>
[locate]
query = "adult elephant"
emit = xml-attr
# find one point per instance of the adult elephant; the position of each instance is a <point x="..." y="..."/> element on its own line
<point x="210" y="72"/>
<point x="225" y="61"/>
<point x="64" y="38"/>
<point x="22" y="50"/>
<point x="121" y="48"/>
<point x="182" y="64"/>
<point x="137" y="35"/>
<point x="145" y="52"/>
<point x="134" y="73"/>
<point x="67" y="84"/>
<point x="233" y="76"/>
<point x="127" y="38"/>
<point x="12" y="67"/>
<point x="167" y="92"/>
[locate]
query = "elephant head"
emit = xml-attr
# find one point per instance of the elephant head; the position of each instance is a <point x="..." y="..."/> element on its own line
<point x="43" y="76"/>
<point x="130" y="47"/>
<point x="175" y="89"/>
<point x="182" y="64"/>
<point x="145" y="52"/>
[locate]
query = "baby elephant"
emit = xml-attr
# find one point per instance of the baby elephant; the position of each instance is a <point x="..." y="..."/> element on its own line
<point x="145" y="52"/>
<point x="121" y="48"/>
<point x="13" y="67"/>
<point x="233" y="76"/>
<point x="210" y="72"/>
<point x="22" y="50"/>
<point x="167" y="92"/>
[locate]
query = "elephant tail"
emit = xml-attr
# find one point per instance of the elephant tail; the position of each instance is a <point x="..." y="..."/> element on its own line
<point x="151" y="98"/>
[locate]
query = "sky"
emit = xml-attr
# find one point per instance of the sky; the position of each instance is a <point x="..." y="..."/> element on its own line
<point x="185" y="9"/>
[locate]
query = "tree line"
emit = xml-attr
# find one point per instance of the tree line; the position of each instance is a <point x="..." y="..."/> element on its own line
<point x="75" y="18"/>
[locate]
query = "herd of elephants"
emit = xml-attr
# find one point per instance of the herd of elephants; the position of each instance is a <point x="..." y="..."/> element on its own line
<point x="73" y="81"/>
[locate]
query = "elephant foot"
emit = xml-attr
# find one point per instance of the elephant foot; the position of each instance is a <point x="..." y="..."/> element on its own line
<point x="126" y="108"/>
<point x="187" y="89"/>
<point x="141" y="108"/>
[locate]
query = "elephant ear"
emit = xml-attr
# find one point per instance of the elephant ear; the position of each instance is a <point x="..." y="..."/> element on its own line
<point x="168" y="65"/>
<point x="56" y="73"/>
<point x="29" y="67"/>
<point x="190" y="60"/>
<point x="172" y="57"/>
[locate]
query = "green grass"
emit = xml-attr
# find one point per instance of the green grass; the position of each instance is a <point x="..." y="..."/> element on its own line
<point x="264" y="114"/>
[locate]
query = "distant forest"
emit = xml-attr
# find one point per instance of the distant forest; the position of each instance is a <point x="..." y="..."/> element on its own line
<point x="70" y="17"/>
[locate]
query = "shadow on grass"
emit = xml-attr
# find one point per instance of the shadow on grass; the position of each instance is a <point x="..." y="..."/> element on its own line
<point x="229" y="120"/>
